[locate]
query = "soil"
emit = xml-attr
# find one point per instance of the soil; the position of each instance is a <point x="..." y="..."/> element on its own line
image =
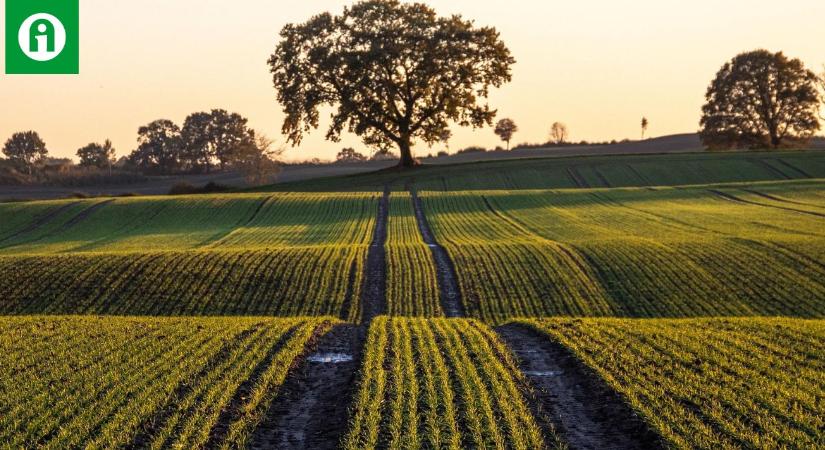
<point x="374" y="292"/>
<point x="450" y="292"/>
<point x="585" y="411"/>
<point x="311" y="411"/>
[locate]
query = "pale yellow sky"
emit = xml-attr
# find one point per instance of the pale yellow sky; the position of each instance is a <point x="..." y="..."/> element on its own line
<point x="597" y="65"/>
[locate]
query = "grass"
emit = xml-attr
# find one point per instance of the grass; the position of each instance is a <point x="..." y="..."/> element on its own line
<point x="151" y="383"/>
<point x="710" y="383"/>
<point x="725" y="250"/>
<point x="440" y="383"/>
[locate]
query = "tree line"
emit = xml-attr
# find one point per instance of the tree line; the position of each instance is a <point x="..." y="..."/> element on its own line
<point x="206" y="141"/>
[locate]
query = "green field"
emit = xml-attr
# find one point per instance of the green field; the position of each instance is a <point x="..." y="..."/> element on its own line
<point x="442" y="383"/>
<point x="692" y="286"/>
<point x="150" y="383"/>
<point x="710" y="383"/>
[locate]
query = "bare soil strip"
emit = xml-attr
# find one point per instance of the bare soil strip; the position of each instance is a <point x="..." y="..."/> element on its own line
<point x="445" y="270"/>
<point x="40" y="221"/>
<point x="311" y="411"/>
<point x="585" y="411"/>
<point x="735" y="199"/>
<point x="374" y="290"/>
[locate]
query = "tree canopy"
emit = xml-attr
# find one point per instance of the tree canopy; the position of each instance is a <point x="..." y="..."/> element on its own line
<point x="213" y="136"/>
<point x="97" y="155"/>
<point x="159" y="145"/>
<point x="25" y="148"/>
<point x="505" y="129"/>
<point x="758" y="100"/>
<point x="395" y="71"/>
<point x="350" y="155"/>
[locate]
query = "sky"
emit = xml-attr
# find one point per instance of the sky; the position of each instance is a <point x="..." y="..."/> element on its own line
<point x="596" y="65"/>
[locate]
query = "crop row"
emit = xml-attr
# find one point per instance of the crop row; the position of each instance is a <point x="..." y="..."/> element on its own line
<point x="281" y="282"/>
<point x="440" y="383"/>
<point x="148" y="383"/>
<point x="412" y="286"/>
<point x="710" y="383"/>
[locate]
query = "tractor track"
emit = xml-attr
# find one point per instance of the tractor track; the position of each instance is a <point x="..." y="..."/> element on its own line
<point x="448" y="286"/>
<point x="584" y="410"/>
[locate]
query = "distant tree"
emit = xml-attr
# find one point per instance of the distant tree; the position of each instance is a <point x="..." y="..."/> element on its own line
<point x="198" y="148"/>
<point x="396" y="72"/>
<point x="25" y="148"/>
<point x="159" y="147"/>
<point x="505" y="129"/>
<point x="228" y="132"/>
<point x="558" y="133"/>
<point x="256" y="159"/>
<point x="212" y="136"/>
<point x="760" y="99"/>
<point x="97" y="155"/>
<point x="822" y="87"/>
<point x="645" y="124"/>
<point x="350" y="155"/>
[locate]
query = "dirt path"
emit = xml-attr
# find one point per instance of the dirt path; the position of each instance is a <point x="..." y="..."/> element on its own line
<point x="311" y="410"/>
<point x="445" y="270"/>
<point x="585" y="411"/>
<point x="374" y="292"/>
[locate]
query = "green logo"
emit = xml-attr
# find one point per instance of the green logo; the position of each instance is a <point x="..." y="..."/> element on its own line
<point x="42" y="36"/>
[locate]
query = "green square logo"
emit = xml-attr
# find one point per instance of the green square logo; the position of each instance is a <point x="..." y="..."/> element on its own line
<point x="42" y="36"/>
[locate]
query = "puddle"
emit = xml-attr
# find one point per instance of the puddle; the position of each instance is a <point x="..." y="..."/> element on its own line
<point x="330" y="358"/>
<point x="537" y="373"/>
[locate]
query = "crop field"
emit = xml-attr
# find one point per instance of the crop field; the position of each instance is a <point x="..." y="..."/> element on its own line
<point x="136" y="382"/>
<point x="710" y="383"/>
<point x="440" y="383"/>
<point x="277" y="254"/>
<point x="668" y="252"/>
<point x="600" y="302"/>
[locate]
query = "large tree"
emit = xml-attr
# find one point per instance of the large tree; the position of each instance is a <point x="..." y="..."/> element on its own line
<point x="97" y="155"/>
<point x="760" y="99"/>
<point x="505" y="129"/>
<point x="396" y="72"/>
<point x="159" y="147"/>
<point x="25" y="148"/>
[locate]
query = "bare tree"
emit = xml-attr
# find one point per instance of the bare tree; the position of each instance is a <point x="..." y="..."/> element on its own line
<point x="559" y="133"/>
<point x="256" y="159"/>
<point x="645" y="124"/>
<point x="505" y="129"/>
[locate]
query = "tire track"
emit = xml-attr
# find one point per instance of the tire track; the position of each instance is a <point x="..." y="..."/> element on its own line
<point x="44" y="219"/>
<point x="584" y="410"/>
<point x="735" y="199"/>
<point x="374" y="289"/>
<point x="448" y="287"/>
<point x="311" y="410"/>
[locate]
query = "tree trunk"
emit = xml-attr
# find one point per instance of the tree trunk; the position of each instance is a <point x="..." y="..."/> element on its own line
<point x="406" y="153"/>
